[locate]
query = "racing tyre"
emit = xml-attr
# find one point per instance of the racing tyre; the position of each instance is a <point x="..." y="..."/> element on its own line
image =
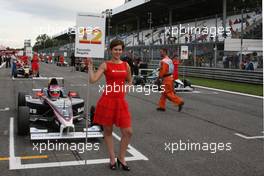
<point x="92" y="111"/>
<point x="187" y="83"/>
<point x="21" y="99"/>
<point x="23" y="120"/>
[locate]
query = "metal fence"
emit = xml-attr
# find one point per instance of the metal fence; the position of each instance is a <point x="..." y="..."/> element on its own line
<point x="234" y="75"/>
<point x="252" y="77"/>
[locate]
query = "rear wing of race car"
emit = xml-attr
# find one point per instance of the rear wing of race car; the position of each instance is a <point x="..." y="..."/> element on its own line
<point x="48" y="78"/>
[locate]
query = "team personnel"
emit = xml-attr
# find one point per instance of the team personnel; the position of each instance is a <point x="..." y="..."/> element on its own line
<point x="112" y="107"/>
<point x="8" y="61"/>
<point x="24" y="59"/>
<point x="50" y="59"/>
<point x="35" y="65"/>
<point x="62" y="60"/>
<point x="13" y="65"/>
<point x="165" y="73"/>
<point x="176" y="63"/>
<point x="1" y="58"/>
<point x="73" y="62"/>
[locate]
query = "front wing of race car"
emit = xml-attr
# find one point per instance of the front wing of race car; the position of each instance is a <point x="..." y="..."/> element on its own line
<point x="182" y="86"/>
<point x="183" y="89"/>
<point x="43" y="134"/>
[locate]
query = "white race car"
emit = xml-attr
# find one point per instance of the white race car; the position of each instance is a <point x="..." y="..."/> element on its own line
<point x="152" y="77"/>
<point x="54" y="114"/>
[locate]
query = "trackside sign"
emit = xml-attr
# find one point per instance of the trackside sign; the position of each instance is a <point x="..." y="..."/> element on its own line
<point x="90" y="35"/>
<point x="184" y="52"/>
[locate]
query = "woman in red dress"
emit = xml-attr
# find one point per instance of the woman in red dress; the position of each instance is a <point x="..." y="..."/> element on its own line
<point x="112" y="108"/>
<point x="35" y="65"/>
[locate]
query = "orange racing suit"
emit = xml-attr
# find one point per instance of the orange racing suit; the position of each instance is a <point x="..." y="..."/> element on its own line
<point x="166" y="71"/>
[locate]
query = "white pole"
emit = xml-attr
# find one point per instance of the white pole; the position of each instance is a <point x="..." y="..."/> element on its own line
<point x="87" y="109"/>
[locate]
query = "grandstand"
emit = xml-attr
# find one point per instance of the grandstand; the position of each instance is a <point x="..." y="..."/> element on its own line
<point x="144" y="34"/>
<point x="147" y="25"/>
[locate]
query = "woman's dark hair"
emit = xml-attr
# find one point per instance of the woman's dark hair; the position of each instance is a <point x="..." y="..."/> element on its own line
<point x="116" y="42"/>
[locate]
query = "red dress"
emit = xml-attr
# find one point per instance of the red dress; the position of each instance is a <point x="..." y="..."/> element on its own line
<point x="34" y="64"/>
<point x="112" y="107"/>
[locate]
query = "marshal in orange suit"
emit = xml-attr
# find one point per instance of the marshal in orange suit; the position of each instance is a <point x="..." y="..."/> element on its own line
<point x="165" y="73"/>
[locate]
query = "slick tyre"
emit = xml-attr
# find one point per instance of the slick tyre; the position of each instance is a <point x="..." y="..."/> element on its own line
<point x="21" y="101"/>
<point x="92" y="111"/>
<point x="23" y="120"/>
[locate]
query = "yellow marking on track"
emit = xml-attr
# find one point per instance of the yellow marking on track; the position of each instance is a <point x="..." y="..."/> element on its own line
<point x="4" y="158"/>
<point x="34" y="157"/>
<point x="26" y="157"/>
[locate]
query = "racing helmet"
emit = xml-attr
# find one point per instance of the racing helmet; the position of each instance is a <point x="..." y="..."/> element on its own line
<point x="54" y="91"/>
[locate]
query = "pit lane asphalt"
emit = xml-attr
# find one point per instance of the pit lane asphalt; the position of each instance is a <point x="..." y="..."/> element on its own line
<point x="207" y="116"/>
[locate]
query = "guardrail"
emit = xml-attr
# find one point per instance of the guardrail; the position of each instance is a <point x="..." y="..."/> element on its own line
<point x="244" y="76"/>
<point x="235" y="75"/>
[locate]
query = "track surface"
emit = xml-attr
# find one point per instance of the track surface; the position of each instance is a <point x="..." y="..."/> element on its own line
<point x="207" y="117"/>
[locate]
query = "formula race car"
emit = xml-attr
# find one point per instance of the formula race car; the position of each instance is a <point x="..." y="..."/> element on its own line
<point x="22" y="70"/>
<point x="62" y="64"/>
<point x="81" y="65"/>
<point x="53" y="114"/>
<point x="152" y="78"/>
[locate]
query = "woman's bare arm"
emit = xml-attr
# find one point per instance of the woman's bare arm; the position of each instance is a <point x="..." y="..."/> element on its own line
<point x="129" y="77"/>
<point x="94" y="76"/>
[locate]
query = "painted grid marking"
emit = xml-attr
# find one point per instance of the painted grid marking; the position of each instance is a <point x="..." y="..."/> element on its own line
<point x="15" y="162"/>
<point x="249" y="137"/>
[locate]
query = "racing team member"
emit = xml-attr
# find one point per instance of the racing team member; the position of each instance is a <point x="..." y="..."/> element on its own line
<point x="176" y="63"/>
<point x="24" y="59"/>
<point x="62" y="60"/>
<point x="165" y="73"/>
<point x="49" y="59"/>
<point x="54" y="90"/>
<point x="13" y="65"/>
<point x="86" y="64"/>
<point x="35" y="65"/>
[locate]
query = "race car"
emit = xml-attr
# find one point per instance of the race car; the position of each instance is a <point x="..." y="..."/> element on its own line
<point x="54" y="114"/>
<point x="81" y="65"/>
<point x="62" y="64"/>
<point x="23" y="70"/>
<point x="152" y="78"/>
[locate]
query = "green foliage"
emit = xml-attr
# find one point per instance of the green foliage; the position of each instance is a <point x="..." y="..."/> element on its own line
<point x="44" y="41"/>
<point x="228" y="85"/>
